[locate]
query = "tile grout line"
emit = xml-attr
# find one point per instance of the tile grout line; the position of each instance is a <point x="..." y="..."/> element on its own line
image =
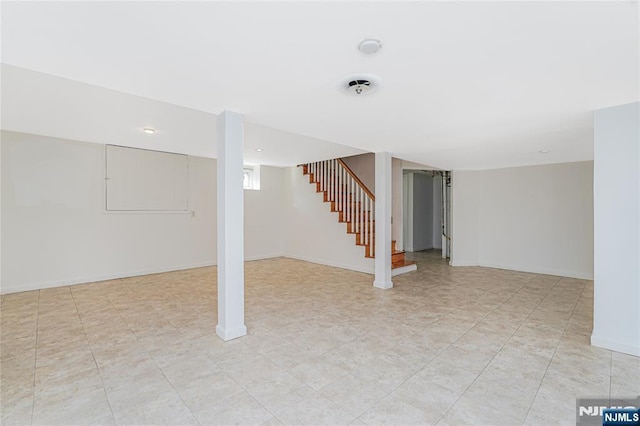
<point x="499" y="350"/>
<point x="555" y="349"/>
<point x="547" y="317"/>
<point x="35" y="359"/>
<point x="243" y="387"/>
<point x="445" y="348"/>
<point x="503" y="345"/>
<point x="610" y="375"/>
<point x="84" y="331"/>
<point x="154" y="359"/>
<point x="125" y="282"/>
<point x="115" y="309"/>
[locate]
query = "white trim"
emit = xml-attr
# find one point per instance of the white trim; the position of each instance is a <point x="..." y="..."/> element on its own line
<point x="93" y="279"/>
<point x="383" y="285"/>
<point x="403" y="269"/>
<point x="462" y="263"/>
<point x="263" y="257"/>
<point x="334" y="264"/>
<point x="615" y="345"/>
<point x="541" y="271"/>
<point x="227" y="335"/>
<point x="110" y="212"/>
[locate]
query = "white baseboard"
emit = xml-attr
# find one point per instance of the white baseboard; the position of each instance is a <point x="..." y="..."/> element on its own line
<point x="227" y="335"/>
<point x="613" y="345"/>
<point x="403" y="270"/>
<point x="462" y="263"/>
<point x="356" y="268"/>
<point x="115" y="276"/>
<point x="520" y="268"/>
<point x="96" y="278"/>
<point x="543" y="271"/>
<point x="263" y="256"/>
<point x="91" y="279"/>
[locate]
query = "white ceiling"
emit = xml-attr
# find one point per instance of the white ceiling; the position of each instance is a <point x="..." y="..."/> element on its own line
<point x="42" y="104"/>
<point x="465" y="85"/>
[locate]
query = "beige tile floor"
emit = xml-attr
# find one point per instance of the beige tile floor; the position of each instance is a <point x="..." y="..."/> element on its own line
<point x="446" y="346"/>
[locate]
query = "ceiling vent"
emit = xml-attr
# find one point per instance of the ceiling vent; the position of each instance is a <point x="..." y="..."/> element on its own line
<point x="360" y="84"/>
<point x="359" y="87"/>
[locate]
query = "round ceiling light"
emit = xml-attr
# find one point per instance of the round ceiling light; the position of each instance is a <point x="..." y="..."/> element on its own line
<point x="369" y="46"/>
<point x="149" y="130"/>
<point x="360" y="84"/>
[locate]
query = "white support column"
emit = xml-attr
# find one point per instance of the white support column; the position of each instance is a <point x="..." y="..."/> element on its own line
<point x="616" y="209"/>
<point x="230" y="138"/>
<point x="383" y="221"/>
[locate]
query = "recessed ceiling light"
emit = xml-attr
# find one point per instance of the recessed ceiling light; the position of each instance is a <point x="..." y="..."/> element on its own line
<point x="149" y="130"/>
<point x="544" y="151"/>
<point x="369" y="46"/>
<point x="259" y="149"/>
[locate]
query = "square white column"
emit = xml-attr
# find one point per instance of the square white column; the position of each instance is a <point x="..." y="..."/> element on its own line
<point x="616" y="198"/>
<point x="383" y="221"/>
<point x="230" y="226"/>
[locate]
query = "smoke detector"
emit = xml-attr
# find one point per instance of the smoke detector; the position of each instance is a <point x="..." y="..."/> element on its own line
<point x="360" y="84"/>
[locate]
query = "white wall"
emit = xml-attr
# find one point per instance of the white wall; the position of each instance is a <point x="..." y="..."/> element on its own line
<point x="465" y="195"/>
<point x="537" y="219"/>
<point x="1" y="210"/>
<point x="364" y="166"/>
<point x="264" y="215"/>
<point x="55" y="230"/>
<point x="407" y="211"/>
<point x="616" y="318"/>
<point x="313" y="232"/>
<point x="396" y="201"/>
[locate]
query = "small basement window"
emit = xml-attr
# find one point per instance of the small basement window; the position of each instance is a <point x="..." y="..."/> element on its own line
<point x="251" y="178"/>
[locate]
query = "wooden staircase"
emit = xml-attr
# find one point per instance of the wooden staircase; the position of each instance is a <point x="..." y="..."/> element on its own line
<point x="397" y="258"/>
<point x="353" y="202"/>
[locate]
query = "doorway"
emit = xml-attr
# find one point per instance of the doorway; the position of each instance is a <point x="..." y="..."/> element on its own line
<point x="426" y="210"/>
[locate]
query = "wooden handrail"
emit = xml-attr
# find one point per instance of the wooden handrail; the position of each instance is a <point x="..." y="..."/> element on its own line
<point x="353" y="175"/>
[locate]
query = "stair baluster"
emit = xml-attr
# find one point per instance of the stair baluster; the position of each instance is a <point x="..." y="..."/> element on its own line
<point x="353" y="202"/>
